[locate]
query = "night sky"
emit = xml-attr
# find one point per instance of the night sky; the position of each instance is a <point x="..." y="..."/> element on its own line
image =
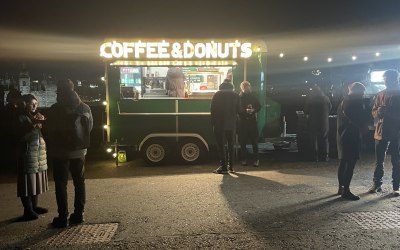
<point x="64" y="36"/>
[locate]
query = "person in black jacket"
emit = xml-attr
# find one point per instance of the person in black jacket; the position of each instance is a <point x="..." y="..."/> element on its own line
<point x="225" y="106"/>
<point x="352" y="120"/>
<point x="317" y="108"/>
<point x="248" y="130"/>
<point x="65" y="159"/>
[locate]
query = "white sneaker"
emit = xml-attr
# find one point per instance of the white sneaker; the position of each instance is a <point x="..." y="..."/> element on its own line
<point x="256" y="163"/>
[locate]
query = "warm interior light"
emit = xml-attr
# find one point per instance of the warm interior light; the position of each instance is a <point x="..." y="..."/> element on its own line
<point x="105" y="126"/>
<point x="281" y="55"/>
<point x="105" y="103"/>
<point x="109" y="150"/>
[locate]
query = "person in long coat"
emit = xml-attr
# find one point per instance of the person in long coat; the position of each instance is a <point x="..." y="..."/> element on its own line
<point x="32" y="159"/>
<point x="317" y="108"/>
<point x="352" y="120"/>
<point x="225" y="106"/>
<point x="248" y="130"/>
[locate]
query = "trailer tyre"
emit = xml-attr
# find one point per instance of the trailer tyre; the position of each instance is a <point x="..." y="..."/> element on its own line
<point x="191" y="151"/>
<point x="154" y="152"/>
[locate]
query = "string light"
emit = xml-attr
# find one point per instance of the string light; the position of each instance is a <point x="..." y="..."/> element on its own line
<point x="281" y="55"/>
<point x="377" y="54"/>
<point x="305" y="58"/>
<point x="354" y="58"/>
<point x="329" y="59"/>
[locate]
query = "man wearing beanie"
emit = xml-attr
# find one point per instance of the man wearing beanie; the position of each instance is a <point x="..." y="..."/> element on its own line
<point x="225" y="106"/>
<point x="68" y="127"/>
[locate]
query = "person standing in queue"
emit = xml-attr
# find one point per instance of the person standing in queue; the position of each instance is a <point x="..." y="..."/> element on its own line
<point x="317" y="108"/>
<point x="248" y="130"/>
<point x="352" y="120"/>
<point x="68" y="128"/>
<point x="32" y="158"/>
<point x="225" y="107"/>
<point x="386" y="110"/>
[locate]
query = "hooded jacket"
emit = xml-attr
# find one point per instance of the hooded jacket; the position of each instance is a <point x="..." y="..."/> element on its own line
<point x="225" y="107"/>
<point x="67" y="101"/>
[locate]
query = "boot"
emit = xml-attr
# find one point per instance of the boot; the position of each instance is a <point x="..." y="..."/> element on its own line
<point x="76" y="218"/>
<point x="340" y="190"/>
<point x="38" y="210"/>
<point x="349" y="196"/>
<point x="29" y="214"/>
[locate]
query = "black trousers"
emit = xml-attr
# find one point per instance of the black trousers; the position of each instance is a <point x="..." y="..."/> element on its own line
<point x="345" y="172"/>
<point x="225" y="146"/>
<point x="320" y="145"/>
<point x="62" y="167"/>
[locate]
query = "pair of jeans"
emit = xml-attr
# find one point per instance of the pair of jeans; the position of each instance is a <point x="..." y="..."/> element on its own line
<point x="225" y="146"/>
<point x="61" y="169"/>
<point x="345" y="172"/>
<point x="381" y="148"/>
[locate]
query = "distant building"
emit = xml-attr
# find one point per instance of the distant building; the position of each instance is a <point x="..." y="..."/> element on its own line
<point x="24" y="81"/>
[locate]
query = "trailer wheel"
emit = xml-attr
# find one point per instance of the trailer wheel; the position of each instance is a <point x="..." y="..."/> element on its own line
<point x="191" y="150"/>
<point x="154" y="151"/>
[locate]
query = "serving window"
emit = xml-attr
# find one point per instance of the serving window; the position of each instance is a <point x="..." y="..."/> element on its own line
<point x="171" y="82"/>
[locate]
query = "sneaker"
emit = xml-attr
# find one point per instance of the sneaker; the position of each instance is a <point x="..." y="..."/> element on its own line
<point x="40" y="210"/>
<point x="244" y="163"/>
<point x="220" y="170"/>
<point x="59" y="222"/>
<point x="350" y="196"/>
<point x="340" y="190"/>
<point x="375" y="188"/>
<point x="396" y="193"/>
<point x="256" y="163"/>
<point x="76" y="218"/>
<point x="230" y="169"/>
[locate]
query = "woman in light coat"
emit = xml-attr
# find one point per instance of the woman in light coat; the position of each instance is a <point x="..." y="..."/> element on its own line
<point x="32" y="160"/>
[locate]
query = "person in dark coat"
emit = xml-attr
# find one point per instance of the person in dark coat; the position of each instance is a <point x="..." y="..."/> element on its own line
<point x="317" y="108"/>
<point x="8" y="123"/>
<point x="352" y="120"/>
<point x="248" y="130"/>
<point x="386" y="110"/>
<point x="66" y="160"/>
<point x="225" y="106"/>
<point x="32" y="159"/>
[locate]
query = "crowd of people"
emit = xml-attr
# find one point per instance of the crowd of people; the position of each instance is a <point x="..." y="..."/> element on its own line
<point x="40" y="140"/>
<point x="61" y="138"/>
<point x="231" y="112"/>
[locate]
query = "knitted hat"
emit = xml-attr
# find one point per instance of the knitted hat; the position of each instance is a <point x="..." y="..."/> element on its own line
<point x="65" y="86"/>
<point x="226" y="85"/>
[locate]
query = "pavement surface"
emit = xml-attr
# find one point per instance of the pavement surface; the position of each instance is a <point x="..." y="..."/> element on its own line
<point x="283" y="204"/>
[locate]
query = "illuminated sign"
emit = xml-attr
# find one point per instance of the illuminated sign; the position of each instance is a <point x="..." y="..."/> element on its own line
<point x="177" y="50"/>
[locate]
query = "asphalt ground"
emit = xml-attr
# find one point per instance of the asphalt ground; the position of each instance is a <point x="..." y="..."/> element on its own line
<point x="283" y="204"/>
